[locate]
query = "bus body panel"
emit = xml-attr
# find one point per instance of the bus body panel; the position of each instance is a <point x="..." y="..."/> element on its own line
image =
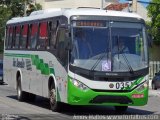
<point x="91" y="97"/>
<point x="36" y="69"/>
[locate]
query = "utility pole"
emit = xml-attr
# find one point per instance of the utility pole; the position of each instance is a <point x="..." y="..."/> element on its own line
<point x="102" y="2"/>
<point x="134" y="6"/>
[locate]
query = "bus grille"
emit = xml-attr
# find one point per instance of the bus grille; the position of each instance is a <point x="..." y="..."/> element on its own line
<point x="111" y="99"/>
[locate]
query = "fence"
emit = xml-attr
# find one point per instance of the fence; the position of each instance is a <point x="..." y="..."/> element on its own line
<point x="154" y="67"/>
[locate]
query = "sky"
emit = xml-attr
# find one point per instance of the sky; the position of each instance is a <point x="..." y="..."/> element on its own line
<point x="137" y="0"/>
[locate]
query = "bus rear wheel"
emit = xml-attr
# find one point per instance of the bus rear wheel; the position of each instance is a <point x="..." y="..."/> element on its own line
<point x="21" y="95"/>
<point x="121" y="108"/>
<point x="55" y="105"/>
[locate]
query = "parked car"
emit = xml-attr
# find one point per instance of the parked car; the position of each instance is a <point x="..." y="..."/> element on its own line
<point x="156" y="81"/>
<point x="1" y="71"/>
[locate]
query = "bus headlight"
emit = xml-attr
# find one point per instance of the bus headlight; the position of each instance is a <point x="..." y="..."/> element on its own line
<point x="143" y="86"/>
<point x="79" y="84"/>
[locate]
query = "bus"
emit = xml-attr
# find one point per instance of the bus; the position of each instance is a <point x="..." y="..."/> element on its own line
<point x="67" y="55"/>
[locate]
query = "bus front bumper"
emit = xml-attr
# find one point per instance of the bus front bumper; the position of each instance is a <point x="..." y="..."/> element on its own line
<point x="77" y="96"/>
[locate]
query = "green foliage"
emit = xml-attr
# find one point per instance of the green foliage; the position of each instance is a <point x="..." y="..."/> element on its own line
<point x="4" y="16"/>
<point x="154" y="13"/>
<point x="19" y="6"/>
<point x="32" y="8"/>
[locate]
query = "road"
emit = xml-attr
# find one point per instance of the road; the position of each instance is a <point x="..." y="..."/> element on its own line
<point x="10" y="107"/>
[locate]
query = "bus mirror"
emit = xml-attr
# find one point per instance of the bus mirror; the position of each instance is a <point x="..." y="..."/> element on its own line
<point x="69" y="45"/>
<point x="68" y="41"/>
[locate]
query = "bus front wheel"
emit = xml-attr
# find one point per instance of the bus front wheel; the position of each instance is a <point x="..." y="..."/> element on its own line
<point x="121" y="108"/>
<point x="55" y="105"/>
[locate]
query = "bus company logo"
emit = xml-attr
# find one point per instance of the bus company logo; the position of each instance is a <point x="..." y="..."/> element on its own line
<point x="18" y="63"/>
<point x="111" y="85"/>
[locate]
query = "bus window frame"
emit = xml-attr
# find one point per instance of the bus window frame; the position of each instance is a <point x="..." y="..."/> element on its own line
<point x="36" y="35"/>
<point x="52" y="38"/>
<point x="17" y="45"/>
<point x="38" y="40"/>
<point x="7" y="36"/>
<point x="13" y="37"/>
<point x="10" y="37"/>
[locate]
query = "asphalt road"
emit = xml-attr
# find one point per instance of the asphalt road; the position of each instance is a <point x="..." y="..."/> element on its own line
<point x="10" y="108"/>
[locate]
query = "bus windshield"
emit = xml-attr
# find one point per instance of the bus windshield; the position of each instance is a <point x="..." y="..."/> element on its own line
<point x="109" y="46"/>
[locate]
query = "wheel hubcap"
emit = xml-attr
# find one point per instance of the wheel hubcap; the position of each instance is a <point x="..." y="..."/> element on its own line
<point x="53" y="96"/>
<point x="19" y="91"/>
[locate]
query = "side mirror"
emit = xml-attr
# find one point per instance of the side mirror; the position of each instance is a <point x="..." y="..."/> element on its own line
<point x="156" y="73"/>
<point x="68" y="41"/>
<point x="69" y="46"/>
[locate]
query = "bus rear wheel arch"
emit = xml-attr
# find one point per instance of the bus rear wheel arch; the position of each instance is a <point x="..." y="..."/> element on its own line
<point x="22" y="95"/>
<point x="54" y="104"/>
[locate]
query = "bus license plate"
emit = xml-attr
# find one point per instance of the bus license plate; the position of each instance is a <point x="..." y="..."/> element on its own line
<point x="122" y="85"/>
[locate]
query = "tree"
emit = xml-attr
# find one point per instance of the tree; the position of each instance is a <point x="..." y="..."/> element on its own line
<point x="13" y="8"/>
<point x="23" y="7"/>
<point x="32" y="7"/>
<point x="4" y="16"/>
<point x="154" y="13"/>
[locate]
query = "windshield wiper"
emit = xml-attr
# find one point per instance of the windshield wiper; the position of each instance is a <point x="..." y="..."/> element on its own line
<point x="124" y="56"/>
<point x="98" y="60"/>
<point x="128" y="64"/>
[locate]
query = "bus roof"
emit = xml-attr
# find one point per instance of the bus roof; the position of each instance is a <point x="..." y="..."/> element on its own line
<point x="42" y="14"/>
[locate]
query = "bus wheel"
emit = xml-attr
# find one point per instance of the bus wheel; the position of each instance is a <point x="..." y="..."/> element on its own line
<point x="121" y="108"/>
<point x="21" y="95"/>
<point x="55" y="105"/>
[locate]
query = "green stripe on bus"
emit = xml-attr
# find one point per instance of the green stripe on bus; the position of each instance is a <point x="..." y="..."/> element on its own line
<point x="36" y="61"/>
<point x="18" y="55"/>
<point x="136" y="82"/>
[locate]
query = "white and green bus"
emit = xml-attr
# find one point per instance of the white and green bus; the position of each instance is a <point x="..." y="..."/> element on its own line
<point x="68" y="56"/>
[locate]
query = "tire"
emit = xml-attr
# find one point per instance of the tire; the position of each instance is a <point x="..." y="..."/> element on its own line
<point x="21" y="95"/>
<point x="54" y="104"/>
<point x="121" y="108"/>
<point x="154" y="86"/>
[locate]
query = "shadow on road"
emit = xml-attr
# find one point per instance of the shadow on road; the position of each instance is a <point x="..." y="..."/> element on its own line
<point x="87" y="110"/>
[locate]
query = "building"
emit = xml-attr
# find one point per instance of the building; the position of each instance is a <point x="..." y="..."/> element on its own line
<point x="128" y="7"/>
<point x="73" y="3"/>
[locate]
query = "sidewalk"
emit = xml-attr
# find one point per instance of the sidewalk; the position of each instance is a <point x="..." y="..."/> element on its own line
<point x="154" y="93"/>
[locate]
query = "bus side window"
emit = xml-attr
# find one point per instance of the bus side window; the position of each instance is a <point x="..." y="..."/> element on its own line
<point x="10" y="37"/>
<point x="24" y="36"/>
<point x="34" y="33"/>
<point x="28" y="42"/>
<point x="52" y="34"/>
<point x="13" y="37"/>
<point x="43" y="36"/>
<point x="61" y="46"/>
<point x="17" y="37"/>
